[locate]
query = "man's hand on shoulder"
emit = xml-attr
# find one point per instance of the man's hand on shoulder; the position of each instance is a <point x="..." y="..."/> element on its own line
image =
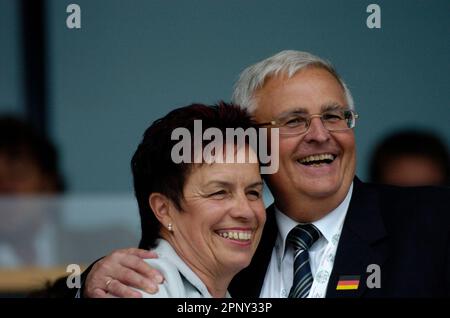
<point x="115" y="274"/>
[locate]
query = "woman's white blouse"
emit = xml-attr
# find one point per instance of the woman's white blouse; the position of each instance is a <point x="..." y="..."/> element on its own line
<point x="179" y="280"/>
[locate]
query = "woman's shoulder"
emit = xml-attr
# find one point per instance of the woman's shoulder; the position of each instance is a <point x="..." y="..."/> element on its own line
<point x="173" y="285"/>
<point x="177" y="279"/>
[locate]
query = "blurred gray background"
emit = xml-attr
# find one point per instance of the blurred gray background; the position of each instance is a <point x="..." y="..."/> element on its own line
<point x="133" y="61"/>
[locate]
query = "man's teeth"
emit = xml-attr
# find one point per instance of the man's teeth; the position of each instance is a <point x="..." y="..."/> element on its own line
<point x="317" y="158"/>
<point x="233" y="235"/>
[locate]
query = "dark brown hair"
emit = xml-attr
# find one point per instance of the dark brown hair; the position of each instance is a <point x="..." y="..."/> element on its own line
<point x="155" y="171"/>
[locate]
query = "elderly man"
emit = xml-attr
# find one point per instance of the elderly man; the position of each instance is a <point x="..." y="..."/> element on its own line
<point x="327" y="234"/>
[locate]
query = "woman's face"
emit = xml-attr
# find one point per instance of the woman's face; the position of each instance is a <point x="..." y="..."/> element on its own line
<point x="222" y="217"/>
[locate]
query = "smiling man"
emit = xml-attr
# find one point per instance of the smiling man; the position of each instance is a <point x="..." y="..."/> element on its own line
<point x="317" y="161"/>
<point x="327" y="234"/>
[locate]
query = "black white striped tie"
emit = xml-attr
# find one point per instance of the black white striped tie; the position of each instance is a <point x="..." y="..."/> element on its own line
<point x="302" y="237"/>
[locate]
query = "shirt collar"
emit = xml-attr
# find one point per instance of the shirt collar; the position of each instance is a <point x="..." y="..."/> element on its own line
<point x="164" y="249"/>
<point x="329" y="225"/>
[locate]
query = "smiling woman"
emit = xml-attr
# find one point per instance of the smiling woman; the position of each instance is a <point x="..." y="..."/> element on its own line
<point x="203" y="219"/>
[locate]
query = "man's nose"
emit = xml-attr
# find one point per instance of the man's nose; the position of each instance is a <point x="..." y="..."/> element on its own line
<point x="317" y="131"/>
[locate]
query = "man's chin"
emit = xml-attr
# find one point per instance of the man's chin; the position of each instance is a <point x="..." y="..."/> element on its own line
<point x="320" y="189"/>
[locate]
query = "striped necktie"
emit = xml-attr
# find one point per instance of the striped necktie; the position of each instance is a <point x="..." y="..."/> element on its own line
<point x="302" y="237"/>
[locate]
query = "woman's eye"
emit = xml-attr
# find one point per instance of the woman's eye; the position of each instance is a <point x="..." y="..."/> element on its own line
<point x="221" y="193"/>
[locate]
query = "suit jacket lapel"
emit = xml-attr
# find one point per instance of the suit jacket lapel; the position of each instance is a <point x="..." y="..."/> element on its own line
<point x="362" y="241"/>
<point x="249" y="281"/>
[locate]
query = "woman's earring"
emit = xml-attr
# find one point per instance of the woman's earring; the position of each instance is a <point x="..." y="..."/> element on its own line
<point x="170" y="227"/>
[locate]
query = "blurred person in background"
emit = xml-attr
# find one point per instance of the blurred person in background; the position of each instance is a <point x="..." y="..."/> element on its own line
<point x="28" y="160"/>
<point x="411" y="158"/>
<point x="29" y="168"/>
<point x="32" y="233"/>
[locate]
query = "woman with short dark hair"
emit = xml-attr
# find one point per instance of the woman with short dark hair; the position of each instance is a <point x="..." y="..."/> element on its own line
<point x="203" y="218"/>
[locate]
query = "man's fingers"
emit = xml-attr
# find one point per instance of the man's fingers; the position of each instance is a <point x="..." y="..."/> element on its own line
<point x="133" y="279"/>
<point x="100" y="293"/>
<point x="141" y="253"/>
<point x="138" y="265"/>
<point x="116" y="288"/>
<point x="156" y="276"/>
<point x="125" y="267"/>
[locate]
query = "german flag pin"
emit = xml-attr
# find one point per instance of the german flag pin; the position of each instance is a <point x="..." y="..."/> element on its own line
<point x="348" y="283"/>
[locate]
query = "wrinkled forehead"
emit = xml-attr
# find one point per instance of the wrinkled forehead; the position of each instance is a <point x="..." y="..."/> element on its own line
<point x="312" y="90"/>
<point x="245" y="169"/>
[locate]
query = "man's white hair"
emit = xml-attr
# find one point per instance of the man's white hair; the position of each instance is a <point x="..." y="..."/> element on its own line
<point x="285" y="62"/>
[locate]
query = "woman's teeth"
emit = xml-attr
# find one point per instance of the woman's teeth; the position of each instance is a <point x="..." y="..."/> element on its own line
<point x="236" y="235"/>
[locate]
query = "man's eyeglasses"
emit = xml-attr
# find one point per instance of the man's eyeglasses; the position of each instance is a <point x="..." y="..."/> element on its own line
<point x="298" y="123"/>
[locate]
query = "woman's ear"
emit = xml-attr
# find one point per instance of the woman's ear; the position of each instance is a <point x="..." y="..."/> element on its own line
<point x="160" y="206"/>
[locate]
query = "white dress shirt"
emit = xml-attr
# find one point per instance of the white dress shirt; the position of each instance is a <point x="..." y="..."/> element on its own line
<point x="279" y="276"/>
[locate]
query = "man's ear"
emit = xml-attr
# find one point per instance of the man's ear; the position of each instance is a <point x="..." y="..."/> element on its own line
<point x="160" y="206"/>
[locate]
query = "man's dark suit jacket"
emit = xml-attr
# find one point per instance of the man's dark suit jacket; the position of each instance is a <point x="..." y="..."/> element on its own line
<point x="403" y="230"/>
